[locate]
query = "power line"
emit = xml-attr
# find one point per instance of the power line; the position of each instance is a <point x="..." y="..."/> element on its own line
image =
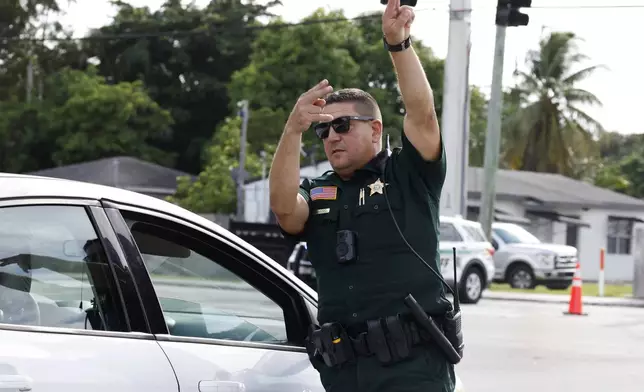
<point x="188" y="33"/>
<point x="277" y="26"/>
<point x="579" y="7"/>
<point x="567" y="7"/>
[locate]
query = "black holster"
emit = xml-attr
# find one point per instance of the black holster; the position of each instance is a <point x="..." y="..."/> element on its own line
<point x="332" y="343"/>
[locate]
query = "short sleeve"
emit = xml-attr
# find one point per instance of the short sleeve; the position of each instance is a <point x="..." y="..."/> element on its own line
<point x="432" y="173"/>
<point x="305" y="188"/>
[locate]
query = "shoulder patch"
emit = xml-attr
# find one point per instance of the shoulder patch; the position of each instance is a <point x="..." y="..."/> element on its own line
<point x="324" y="193"/>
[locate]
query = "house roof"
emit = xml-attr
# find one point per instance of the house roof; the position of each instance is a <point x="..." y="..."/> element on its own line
<point x="550" y="188"/>
<point x="120" y="172"/>
<point x="543" y="189"/>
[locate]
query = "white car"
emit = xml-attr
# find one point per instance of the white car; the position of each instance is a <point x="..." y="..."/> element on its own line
<point x="474" y="257"/>
<point x="103" y="289"/>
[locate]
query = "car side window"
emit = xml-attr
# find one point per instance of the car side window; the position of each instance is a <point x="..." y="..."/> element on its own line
<point x="201" y="297"/>
<point x="53" y="270"/>
<point x="475" y="233"/>
<point x="448" y="233"/>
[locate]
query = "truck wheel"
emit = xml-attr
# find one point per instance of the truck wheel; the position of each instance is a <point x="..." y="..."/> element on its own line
<point x="521" y="277"/>
<point x="471" y="286"/>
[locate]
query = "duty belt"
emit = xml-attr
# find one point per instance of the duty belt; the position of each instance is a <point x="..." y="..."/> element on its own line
<point x="390" y="339"/>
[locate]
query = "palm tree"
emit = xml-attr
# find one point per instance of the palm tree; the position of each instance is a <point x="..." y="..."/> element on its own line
<point x="547" y="130"/>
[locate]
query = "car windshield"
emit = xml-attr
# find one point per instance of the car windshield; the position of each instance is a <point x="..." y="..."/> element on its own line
<point x="516" y="235"/>
<point x="475" y="232"/>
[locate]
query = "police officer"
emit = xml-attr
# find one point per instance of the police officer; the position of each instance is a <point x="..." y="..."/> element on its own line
<point x="361" y="221"/>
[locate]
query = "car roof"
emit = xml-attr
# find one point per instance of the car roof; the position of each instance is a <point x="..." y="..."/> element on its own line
<point x="14" y="186"/>
<point x="23" y="185"/>
<point x="458" y="219"/>
<point x="508" y="225"/>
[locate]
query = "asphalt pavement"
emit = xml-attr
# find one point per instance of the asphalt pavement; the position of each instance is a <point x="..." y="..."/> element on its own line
<point x="517" y="346"/>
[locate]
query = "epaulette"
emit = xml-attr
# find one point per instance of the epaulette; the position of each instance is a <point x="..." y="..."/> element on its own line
<point x="325" y="176"/>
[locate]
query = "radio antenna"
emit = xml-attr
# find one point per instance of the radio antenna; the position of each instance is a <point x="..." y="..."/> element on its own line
<point x="457" y="302"/>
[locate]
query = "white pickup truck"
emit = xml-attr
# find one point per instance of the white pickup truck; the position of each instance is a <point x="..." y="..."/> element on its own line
<point x="524" y="262"/>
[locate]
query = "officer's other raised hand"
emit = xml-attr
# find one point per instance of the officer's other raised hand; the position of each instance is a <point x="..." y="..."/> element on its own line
<point x="308" y="108"/>
<point x="396" y="22"/>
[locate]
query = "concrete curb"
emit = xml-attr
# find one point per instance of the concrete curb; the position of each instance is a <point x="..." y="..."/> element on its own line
<point x="560" y="299"/>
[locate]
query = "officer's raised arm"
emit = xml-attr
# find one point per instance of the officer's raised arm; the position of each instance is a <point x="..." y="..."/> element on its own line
<point x="289" y="201"/>
<point x="420" y="124"/>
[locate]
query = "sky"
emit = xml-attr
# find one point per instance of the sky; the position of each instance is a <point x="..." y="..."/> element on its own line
<point x="608" y="29"/>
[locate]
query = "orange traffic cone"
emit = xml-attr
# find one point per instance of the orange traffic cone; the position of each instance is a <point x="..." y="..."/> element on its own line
<point x="575" y="305"/>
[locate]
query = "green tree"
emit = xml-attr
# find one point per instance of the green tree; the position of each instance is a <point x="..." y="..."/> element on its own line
<point x="622" y="165"/>
<point x="91" y="119"/>
<point x="23" y="51"/>
<point x="214" y="190"/>
<point x="83" y="118"/>
<point x="550" y="132"/>
<point x="186" y="73"/>
<point x="478" y="126"/>
<point x="23" y="145"/>
<point x="286" y="61"/>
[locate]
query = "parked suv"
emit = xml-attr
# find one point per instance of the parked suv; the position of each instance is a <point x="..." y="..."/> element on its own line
<point x="474" y="260"/>
<point x="524" y="262"/>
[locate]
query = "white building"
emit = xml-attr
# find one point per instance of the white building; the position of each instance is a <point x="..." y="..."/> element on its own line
<point x="553" y="207"/>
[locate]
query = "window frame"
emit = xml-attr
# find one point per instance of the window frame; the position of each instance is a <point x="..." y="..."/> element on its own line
<point x="629" y="237"/>
<point x="456" y="230"/>
<point x="119" y="276"/>
<point x="246" y="265"/>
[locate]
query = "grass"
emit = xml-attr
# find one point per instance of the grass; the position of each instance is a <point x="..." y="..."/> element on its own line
<point x="589" y="289"/>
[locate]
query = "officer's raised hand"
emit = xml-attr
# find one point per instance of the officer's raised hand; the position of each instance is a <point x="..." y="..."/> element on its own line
<point x="289" y="206"/>
<point x="308" y="108"/>
<point x="396" y="22"/>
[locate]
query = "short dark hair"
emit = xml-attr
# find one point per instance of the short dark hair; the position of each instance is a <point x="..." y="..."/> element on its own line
<point x="365" y="103"/>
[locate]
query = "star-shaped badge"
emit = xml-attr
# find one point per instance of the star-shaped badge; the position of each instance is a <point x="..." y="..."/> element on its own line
<point x="377" y="187"/>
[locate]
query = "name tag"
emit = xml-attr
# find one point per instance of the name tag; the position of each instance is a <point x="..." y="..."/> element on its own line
<point x="322" y="211"/>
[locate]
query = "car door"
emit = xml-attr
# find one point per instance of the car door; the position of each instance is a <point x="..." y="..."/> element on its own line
<point x="225" y="319"/>
<point x="63" y="323"/>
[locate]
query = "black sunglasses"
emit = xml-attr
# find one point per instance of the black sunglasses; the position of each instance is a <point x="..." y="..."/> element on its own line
<point x="340" y="125"/>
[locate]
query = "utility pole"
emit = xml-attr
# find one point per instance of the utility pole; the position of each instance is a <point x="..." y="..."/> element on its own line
<point x="30" y="78"/>
<point x="455" y="114"/>
<point x="264" y="205"/>
<point x="507" y="14"/>
<point x="240" y="175"/>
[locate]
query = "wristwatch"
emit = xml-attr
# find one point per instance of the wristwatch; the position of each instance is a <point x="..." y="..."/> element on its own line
<point x="399" y="47"/>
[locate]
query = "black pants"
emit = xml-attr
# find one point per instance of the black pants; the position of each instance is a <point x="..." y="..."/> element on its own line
<point x="425" y="370"/>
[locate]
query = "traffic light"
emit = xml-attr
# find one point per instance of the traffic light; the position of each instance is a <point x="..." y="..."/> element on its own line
<point x="508" y="14"/>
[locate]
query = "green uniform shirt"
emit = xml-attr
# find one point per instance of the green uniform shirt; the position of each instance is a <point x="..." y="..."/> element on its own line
<point x="386" y="270"/>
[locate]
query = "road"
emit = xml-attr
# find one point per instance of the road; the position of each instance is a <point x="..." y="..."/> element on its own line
<point x="533" y="347"/>
<point x="510" y="346"/>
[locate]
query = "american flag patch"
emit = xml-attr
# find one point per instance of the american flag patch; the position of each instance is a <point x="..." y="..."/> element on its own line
<point x="324" y="193"/>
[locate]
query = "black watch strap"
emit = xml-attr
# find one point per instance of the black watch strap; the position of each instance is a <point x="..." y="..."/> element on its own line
<point x="399" y="47"/>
